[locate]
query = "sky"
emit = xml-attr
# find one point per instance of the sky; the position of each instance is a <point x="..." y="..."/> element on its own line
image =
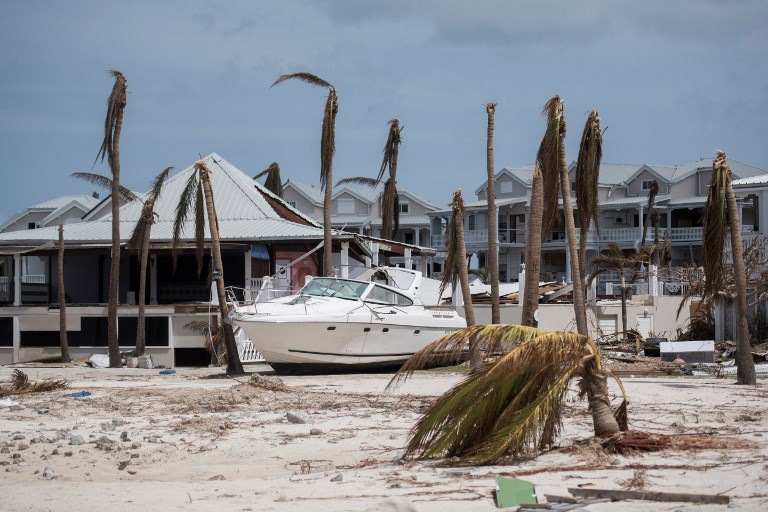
<point x="673" y="80"/>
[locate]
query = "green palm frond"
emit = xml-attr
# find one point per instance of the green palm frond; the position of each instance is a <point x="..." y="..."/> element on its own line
<point x="715" y="225"/>
<point x="20" y="383"/>
<point x="453" y="260"/>
<point x="106" y="183"/>
<point x="273" y="183"/>
<point x="548" y="160"/>
<point x="187" y="201"/>
<point x="509" y="407"/>
<point x="115" y="104"/>
<point x="458" y="346"/>
<point x="613" y="260"/>
<point x="587" y="173"/>
<point x="158" y="182"/>
<point x="359" y="180"/>
<point x="148" y="211"/>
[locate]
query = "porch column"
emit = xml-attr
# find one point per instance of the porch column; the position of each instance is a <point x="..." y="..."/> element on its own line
<point x="345" y="260"/>
<point x="375" y="254"/>
<point x="424" y="265"/>
<point x="153" y="279"/>
<point x="408" y="262"/>
<point x="248" y="276"/>
<point x="640" y="209"/>
<point x="568" y="275"/>
<point x="17" y="280"/>
<point x="416" y="236"/>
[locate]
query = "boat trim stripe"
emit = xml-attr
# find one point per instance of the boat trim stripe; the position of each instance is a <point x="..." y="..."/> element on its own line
<point x="407" y="354"/>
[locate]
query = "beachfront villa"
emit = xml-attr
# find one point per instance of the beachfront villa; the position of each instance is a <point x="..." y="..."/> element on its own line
<point x="357" y="209"/>
<point x="623" y="205"/>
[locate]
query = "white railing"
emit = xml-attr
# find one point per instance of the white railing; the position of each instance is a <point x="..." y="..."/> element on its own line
<point x="34" y="279"/>
<point x="245" y="348"/>
<point x="476" y="236"/>
<point x="512" y="236"/>
<point x="620" y="234"/>
<point x="632" y="288"/>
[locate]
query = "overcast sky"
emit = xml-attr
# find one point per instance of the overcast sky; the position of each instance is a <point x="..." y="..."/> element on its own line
<point x="672" y="79"/>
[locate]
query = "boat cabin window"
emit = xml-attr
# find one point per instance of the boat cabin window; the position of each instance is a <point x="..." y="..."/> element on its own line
<point x="380" y="295"/>
<point x="327" y="287"/>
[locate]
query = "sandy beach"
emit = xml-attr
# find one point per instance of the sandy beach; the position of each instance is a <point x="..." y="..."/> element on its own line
<point x="197" y="440"/>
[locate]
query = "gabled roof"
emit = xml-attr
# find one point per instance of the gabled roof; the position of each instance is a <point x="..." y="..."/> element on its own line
<point x="311" y="193"/>
<point x="761" y="179"/>
<point x="243" y="207"/>
<point x="523" y="174"/>
<point x="55" y="206"/>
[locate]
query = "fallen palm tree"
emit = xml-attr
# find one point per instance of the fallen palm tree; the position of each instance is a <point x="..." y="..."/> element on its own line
<point x="20" y="384"/>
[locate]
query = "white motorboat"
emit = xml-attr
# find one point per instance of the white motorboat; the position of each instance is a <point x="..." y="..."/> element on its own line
<point x="335" y="324"/>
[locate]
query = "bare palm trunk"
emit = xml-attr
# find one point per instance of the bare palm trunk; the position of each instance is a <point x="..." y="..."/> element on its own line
<point x="533" y="251"/>
<point x="144" y="256"/>
<point x="327" y="238"/>
<point x="623" y="306"/>
<point x="466" y="295"/>
<point x="114" y="265"/>
<point x="493" y="252"/>
<point x="62" y="302"/>
<point x="745" y="366"/>
<point x="579" y="305"/>
<point x="599" y="404"/>
<point x="234" y="365"/>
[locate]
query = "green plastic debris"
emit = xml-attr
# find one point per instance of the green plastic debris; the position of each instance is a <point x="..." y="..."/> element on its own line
<point x="512" y="492"/>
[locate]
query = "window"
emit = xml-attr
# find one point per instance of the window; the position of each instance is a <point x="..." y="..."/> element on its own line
<point x="408" y="238"/>
<point x="404" y="208"/>
<point x="647" y="184"/>
<point x="292" y="204"/>
<point x="505" y="187"/>
<point x="573" y="186"/>
<point x="471" y="223"/>
<point x="346" y="205"/>
<point x="31" y="225"/>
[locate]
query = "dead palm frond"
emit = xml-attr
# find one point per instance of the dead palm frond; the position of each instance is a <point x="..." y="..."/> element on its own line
<point x="148" y="211"/>
<point x="104" y="182"/>
<point x="548" y="160"/>
<point x="20" y="384"/>
<point x="513" y="406"/>
<point x="115" y="106"/>
<point x="273" y="183"/>
<point x="715" y="226"/>
<point x="587" y="174"/>
<point x="456" y="257"/>
<point x="359" y="180"/>
<point x="213" y="339"/>
<point x="459" y="346"/>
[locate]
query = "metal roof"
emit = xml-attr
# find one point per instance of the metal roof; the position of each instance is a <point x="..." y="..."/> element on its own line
<point x="632" y="201"/>
<point x="692" y="201"/>
<point x="761" y="179"/>
<point x="243" y="213"/>
<point x="86" y="201"/>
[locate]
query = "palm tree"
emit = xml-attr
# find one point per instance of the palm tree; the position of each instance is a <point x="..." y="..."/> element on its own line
<point x="513" y="405"/>
<point x="651" y="212"/>
<point x="390" y="204"/>
<point x="587" y="173"/>
<point x="273" y="183"/>
<point x="390" y="201"/>
<point x="721" y="211"/>
<point x="198" y="195"/>
<point x="139" y="241"/>
<point x="110" y="147"/>
<point x="554" y="167"/>
<point x="62" y="301"/>
<point x="327" y="148"/>
<point x="493" y="253"/>
<point x="614" y="260"/>
<point x="533" y="250"/>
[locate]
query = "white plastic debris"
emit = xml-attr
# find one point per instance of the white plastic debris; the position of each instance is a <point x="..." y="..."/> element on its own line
<point x="99" y="360"/>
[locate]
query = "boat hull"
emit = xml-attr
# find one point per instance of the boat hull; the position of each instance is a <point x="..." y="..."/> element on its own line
<point x="342" y="346"/>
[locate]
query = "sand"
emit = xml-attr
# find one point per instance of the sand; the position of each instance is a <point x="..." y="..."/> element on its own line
<point x="198" y="440"/>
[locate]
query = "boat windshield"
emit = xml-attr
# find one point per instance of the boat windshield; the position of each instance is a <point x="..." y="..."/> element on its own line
<point x="332" y="287"/>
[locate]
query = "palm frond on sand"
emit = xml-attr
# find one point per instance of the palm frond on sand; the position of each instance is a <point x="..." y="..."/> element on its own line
<point x="20" y="384"/>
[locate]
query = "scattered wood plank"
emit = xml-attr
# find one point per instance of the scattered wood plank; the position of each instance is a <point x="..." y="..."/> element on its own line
<point x="650" y="496"/>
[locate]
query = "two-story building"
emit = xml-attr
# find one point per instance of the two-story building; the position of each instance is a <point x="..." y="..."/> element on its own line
<point x="357" y="209"/>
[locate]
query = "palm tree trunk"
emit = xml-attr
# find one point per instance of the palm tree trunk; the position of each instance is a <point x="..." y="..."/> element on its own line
<point x="533" y="251"/>
<point x="144" y="256"/>
<point x="327" y="238"/>
<point x="579" y="305"/>
<point x="493" y="252"/>
<point x="623" y="306"/>
<point x="113" y="343"/>
<point x="599" y="404"/>
<point x="469" y="310"/>
<point x="745" y="366"/>
<point x="62" y="302"/>
<point x="234" y="365"/>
